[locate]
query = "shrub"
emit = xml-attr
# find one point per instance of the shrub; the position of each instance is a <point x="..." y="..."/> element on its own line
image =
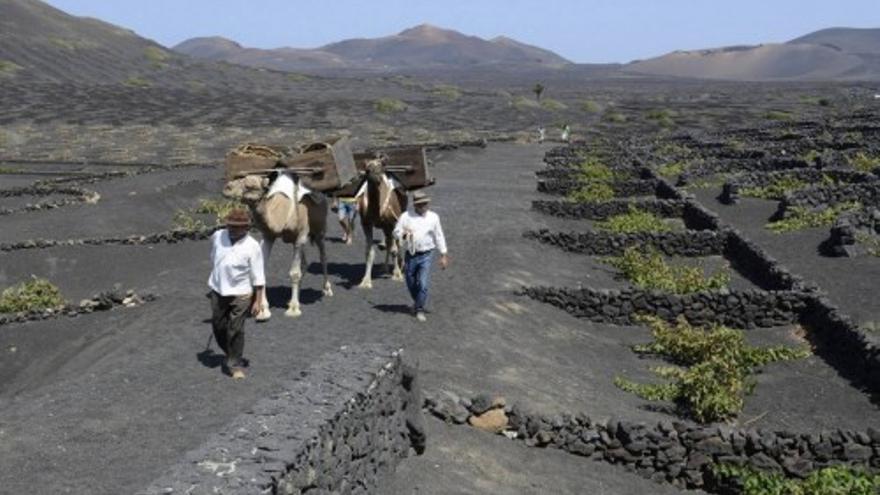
<point x="833" y="480"/>
<point x="647" y="269"/>
<point x="714" y="367"/>
<point x="673" y="169"/>
<point x="674" y="150"/>
<point x="195" y="85"/>
<point x="156" y="56"/>
<point x="815" y="100"/>
<point x="63" y="43"/>
<point x="447" y="92"/>
<point x="779" y="115"/>
<point x="592" y="192"/>
<point x="776" y="189"/>
<point x="590" y="106"/>
<point x="523" y="103"/>
<point x="295" y="77"/>
<point x="596" y="179"/>
<point x="553" y="105"/>
<point x="592" y="169"/>
<point x="735" y="145"/>
<point x="8" y="68"/>
<point x="663" y="117"/>
<point x="871" y="242"/>
<point x="811" y="156"/>
<point x="614" y="117"/>
<point x="717" y="180"/>
<point x="863" y="162"/>
<point x="35" y="294"/>
<point x="217" y="207"/>
<point x="389" y="105"/>
<point x="183" y="220"/>
<point x="803" y="218"/>
<point x="634" y="221"/>
<point x="852" y="137"/>
<point x="137" y="82"/>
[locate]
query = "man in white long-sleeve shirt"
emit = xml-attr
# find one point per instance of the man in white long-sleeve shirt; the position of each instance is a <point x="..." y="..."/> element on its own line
<point x="237" y="283"/>
<point x="421" y="234"/>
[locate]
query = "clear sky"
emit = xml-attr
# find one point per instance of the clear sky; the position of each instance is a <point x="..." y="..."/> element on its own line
<point x="587" y="31"/>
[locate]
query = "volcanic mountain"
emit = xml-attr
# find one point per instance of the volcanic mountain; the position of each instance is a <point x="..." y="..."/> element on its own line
<point x="41" y="42"/>
<point x="837" y="53"/>
<point x="420" y="46"/>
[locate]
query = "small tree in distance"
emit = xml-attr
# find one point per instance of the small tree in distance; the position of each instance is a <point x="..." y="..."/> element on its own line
<point x="539" y="90"/>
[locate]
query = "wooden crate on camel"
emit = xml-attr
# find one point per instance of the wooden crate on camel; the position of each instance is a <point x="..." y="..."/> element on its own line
<point x="408" y="165"/>
<point x="321" y="166"/>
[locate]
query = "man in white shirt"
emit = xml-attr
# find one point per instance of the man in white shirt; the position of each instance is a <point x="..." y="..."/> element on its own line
<point x="420" y="233"/>
<point x="237" y="283"/>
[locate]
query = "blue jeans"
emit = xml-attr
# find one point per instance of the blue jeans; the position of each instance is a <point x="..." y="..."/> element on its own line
<point x="417" y="270"/>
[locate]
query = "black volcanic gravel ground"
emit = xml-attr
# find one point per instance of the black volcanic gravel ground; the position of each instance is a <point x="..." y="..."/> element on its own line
<point x="84" y="400"/>
<point x="851" y="283"/>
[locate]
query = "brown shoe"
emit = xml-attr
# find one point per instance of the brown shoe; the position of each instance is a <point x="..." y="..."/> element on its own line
<point x="237" y="374"/>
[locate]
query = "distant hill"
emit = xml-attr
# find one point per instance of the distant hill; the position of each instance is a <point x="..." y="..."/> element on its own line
<point x="763" y="62"/>
<point x="839" y="53"/>
<point x="847" y="40"/>
<point x="287" y="59"/>
<point x="420" y="46"/>
<point x="40" y="42"/>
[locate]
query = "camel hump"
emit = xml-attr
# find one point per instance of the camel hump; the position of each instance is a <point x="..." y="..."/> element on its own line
<point x="273" y="213"/>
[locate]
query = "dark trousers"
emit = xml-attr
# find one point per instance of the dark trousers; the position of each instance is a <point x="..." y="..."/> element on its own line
<point x="227" y="320"/>
<point x="417" y="272"/>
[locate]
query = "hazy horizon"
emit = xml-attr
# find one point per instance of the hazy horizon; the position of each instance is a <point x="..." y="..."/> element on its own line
<point x="594" y="31"/>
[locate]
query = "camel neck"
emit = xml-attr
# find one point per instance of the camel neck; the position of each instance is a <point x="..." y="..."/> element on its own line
<point x="376" y="194"/>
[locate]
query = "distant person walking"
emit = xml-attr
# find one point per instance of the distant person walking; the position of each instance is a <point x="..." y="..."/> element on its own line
<point x="566" y="133"/>
<point x="542" y="134"/>
<point x="237" y="283"/>
<point x="420" y="233"/>
<point x="347" y="212"/>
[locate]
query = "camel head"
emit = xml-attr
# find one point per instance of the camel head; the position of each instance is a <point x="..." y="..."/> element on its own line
<point x="249" y="189"/>
<point x="376" y="167"/>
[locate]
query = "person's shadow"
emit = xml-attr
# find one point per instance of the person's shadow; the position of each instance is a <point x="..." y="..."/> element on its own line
<point x="394" y="308"/>
<point x="210" y="359"/>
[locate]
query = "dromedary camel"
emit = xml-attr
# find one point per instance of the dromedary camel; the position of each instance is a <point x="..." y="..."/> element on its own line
<point x="380" y="206"/>
<point x="277" y="215"/>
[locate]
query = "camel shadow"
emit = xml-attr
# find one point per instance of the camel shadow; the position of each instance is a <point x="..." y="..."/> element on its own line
<point x="350" y="273"/>
<point x="334" y="240"/>
<point x="279" y="296"/>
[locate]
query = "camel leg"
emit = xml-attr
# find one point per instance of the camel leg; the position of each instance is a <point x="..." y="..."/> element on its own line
<point x="394" y="252"/>
<point x="367" y="282"/>
<point x="265" y="246"/>
<point x="328" y="289"/>
<point x="295" y="278"/>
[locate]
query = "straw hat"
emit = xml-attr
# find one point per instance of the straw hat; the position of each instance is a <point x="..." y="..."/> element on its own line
<point x="238" y="218"/>
<point x="420" y="198"/>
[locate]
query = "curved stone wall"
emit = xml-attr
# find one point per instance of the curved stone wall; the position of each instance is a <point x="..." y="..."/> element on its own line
<point x="338" y="427"/>
<point x="600" y="243"/>
<point x="682" y="453"/>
